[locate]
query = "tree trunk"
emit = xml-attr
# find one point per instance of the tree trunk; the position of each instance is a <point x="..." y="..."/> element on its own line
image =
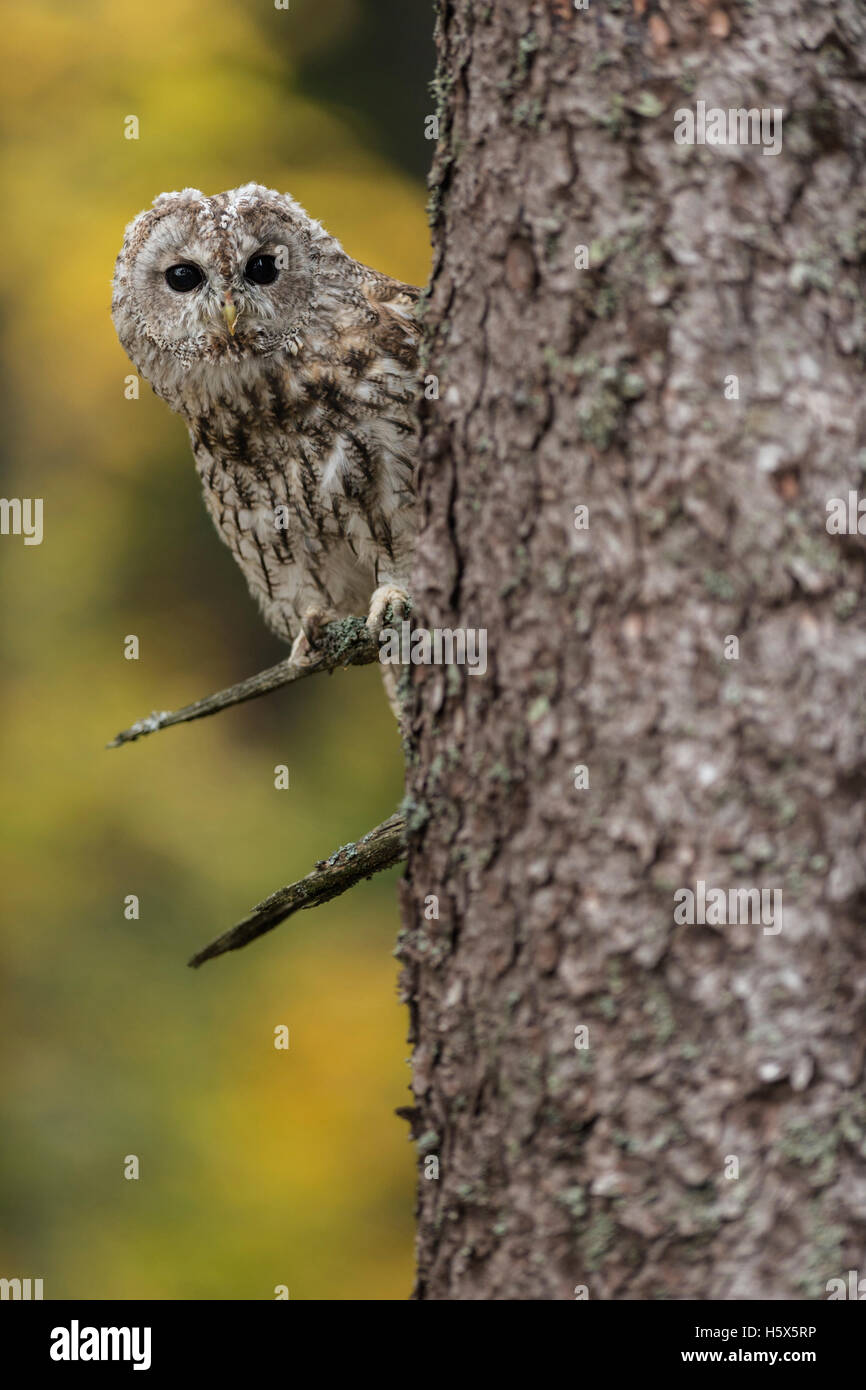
<point x="698" y="648"/>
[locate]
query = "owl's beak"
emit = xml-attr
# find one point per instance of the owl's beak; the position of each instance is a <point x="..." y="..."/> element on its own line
<point x="230" y="314"/>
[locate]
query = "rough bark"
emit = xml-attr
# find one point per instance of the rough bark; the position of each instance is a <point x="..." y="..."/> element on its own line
<point x="605" y="1167"/>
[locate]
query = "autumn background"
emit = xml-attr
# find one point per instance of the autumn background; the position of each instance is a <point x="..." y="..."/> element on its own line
<point x="258" y="1167"/>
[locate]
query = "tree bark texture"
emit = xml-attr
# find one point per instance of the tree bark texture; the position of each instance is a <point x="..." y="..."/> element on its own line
<point x="607" y="1169"/>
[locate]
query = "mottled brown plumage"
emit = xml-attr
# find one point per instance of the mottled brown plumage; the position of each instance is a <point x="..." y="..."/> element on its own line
<point x="299" y="394"/>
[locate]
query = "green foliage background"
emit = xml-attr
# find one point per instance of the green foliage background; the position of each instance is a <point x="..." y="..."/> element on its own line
<point x="258" y="1167"/>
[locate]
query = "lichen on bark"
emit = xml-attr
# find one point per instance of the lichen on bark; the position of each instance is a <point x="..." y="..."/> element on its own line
<point x="610" y="387"/>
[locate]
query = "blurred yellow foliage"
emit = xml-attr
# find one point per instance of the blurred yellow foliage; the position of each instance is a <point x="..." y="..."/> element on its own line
<point x="258" y="1167"/>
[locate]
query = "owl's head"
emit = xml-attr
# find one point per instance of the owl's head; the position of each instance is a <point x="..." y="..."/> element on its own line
<point x="221" y="280"/>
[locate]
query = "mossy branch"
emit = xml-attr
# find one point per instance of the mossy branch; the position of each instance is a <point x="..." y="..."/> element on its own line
<point x="377" y="850"/>
<point x="347" y="642"/>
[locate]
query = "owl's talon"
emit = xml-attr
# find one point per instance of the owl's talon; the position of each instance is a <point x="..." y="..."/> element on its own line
<point x="312" y="624"/>
<point x="302" y="651"/>
<point x="305" y="647"/>
<point x="383" y="596"/>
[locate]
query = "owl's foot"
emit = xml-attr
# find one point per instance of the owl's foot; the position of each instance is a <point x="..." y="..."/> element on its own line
<point x="383" y="596"/>
<point x="306" y="644"/>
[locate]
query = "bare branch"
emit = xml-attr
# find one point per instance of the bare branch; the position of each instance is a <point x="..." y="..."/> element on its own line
<point x="377" y="850"/>
<point x="347" y="642"/>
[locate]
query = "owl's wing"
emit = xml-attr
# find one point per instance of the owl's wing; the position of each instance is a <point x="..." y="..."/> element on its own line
<point x="396" y="330"/>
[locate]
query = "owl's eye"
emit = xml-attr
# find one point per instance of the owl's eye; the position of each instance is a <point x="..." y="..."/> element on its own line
<point x="262" y="270"/>
<point x="183" y="277"/>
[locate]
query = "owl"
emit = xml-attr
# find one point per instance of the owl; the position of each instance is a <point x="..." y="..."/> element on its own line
<point x="295" y="369"/>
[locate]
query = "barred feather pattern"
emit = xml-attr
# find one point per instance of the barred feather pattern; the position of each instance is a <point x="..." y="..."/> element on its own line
<point x="302" y="413"/>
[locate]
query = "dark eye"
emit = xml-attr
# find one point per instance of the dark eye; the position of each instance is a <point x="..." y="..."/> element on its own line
<point x="262" y="270"/>
<point x="183" y="277"/>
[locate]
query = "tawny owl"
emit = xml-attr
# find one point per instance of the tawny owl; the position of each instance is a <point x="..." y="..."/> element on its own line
<point x="295" y="370"/>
